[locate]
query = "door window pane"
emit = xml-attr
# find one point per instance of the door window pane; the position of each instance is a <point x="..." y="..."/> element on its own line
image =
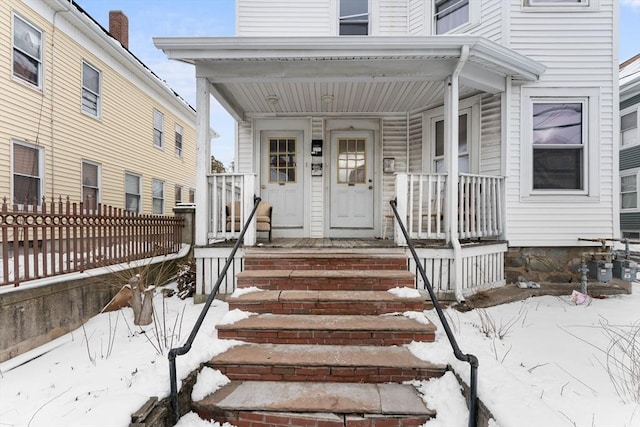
<point x="282" y="160"/>
<point x="352" y="157"/>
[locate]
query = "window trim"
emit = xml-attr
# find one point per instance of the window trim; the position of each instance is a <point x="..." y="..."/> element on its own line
<point x="139" y="194"/>
<point x="625" y="173"/>
<point x="98" y="95"/>
<point x="40" y="60"/>
<point x="40" y="176"/>
<point x="158" y="114"/>
<point x="178" y="189"/>
<point x="474" y="18"/>
<point x="155" y="181"/>
<point x="629" y="110"/>
<point x="99" y="180"/>
<point x="590" y="99"/>
<point x="470" y="106"/>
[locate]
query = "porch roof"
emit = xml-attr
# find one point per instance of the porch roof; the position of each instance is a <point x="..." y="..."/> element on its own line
<point x="286" y="75"/>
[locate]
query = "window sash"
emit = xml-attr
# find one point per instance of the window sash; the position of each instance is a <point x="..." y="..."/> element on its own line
<point x="132" y="193"/>
<point x="629" y="129"/>
<point x="463" y="145"/>
<point x="90" y="89"/>
<point x="179" y="131"/>
<point x="178" y="194"/>
<point x="27" y="51"/>
<point x="628" y="192"/>
<point x="157" y="191"/>
<point x="450" y="14"/>
<point x="27" y="182"/>
<point x="158" y="124"/>
<point x="354" y="17"/>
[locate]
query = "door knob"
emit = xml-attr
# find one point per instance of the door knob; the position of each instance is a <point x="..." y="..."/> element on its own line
<point x="371" y="187"/>
<point x="263" y="186"/>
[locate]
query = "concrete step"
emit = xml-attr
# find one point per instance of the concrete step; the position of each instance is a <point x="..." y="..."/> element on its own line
<point x="324" y="261"/>
<point x="342" y="280"/>
<point x="325" y="302"/>
<point x="328" y="330"/>
<point x="269" y="403"/>
<point x="323" y="363"/>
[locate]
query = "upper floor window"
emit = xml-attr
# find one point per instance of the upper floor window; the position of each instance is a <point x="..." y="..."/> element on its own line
<point x="354" y="17"/>
<point x="27" y="52"/>
<point x="90" y="185"/>
<point x="450" y="14"/>
<point x="132" y="193"/>
<point x="27" y="173"/>
<point x="179" y="132"/>
<point x="629" y="190"/>
<point x="158" y="126"/>
<point x="629" y="131"/>
<point x="559" y="5"/>
<point x="157" y="189"/>
<point x="90" y="90"/>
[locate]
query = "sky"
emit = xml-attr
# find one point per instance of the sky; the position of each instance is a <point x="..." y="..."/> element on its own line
<point x="168" y="18"/>
<point x="544" y="361"/>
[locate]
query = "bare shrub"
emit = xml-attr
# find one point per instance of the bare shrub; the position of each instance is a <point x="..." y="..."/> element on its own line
<point x="492" y="329"/>
<point x="623" y="359"/>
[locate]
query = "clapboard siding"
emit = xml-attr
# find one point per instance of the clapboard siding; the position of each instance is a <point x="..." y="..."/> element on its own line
<point x="630" y="158"/>
<point x="286" y="17"/>
<point x="415" y="143"/>
<point x="390" y="18"/>
<point x="117" y="140"/>
<point x="491" y="16"/>
<point x="630" y="102"/>
<point x="317" y="188"/>
<point x="630" y="221"/>
<point x="567" y="44"/>
<point x="394" y="144"/>
<point x="245" y="148"/>
<point x="416" y="19"/>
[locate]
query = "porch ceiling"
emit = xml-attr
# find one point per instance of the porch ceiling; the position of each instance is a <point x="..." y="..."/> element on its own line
<point x="274" y="75"/>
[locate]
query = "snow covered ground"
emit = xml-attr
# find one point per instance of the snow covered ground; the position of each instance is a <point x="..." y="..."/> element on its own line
<point x="543" y="362"/>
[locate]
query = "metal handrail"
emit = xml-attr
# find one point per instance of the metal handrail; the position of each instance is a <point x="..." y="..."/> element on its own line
<point x="187" y="346"/>
<point x="469" y="358"/>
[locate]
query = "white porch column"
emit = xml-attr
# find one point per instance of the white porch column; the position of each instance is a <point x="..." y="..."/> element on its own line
<point x="203" y="160"/>
<point x="451" y="156"/>
<point x="248" y="188"/>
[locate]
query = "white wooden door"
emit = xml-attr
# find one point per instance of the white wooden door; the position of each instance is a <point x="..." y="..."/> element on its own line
<point x="282" y="178"/>
<point x="352" y="182"/>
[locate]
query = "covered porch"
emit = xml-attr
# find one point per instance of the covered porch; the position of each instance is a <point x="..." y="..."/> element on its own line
<point x="330" y="129"/>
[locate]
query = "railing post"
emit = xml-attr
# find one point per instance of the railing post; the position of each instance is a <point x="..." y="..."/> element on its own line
<point x="401" y="205"/>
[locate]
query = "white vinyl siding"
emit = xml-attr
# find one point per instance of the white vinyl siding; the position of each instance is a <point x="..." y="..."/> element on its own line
<point x="27" y="52"/>
<point x="244" y="162"/>
<point x="286" y="18"/>
<point x="394" y="146"/>
<point x="567" y="44"/>
<point x="491" y="134"/>
<point x="389" y="18"/>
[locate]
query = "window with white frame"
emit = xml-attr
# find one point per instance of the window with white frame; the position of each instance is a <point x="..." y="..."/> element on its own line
<point x="90" y="90"/>
<point x="559" y="5"/>
<point x="27" y="52"/>
<point x="560" y="151"/>
<point x="178" y="194"/>
<point x="157" y="194"/>
<point x="450" y="14"/>
<point x="90" y="185"/>
<point x="158" y="127"/>
<point x="468" y="137"/>
<point x="354" y="18"/>
<point x="192" y="195"/>
<point x="27" y="173"/>
<point x="132" y="190"/>
<point x="629" y="190"/>
<point x="629" y="131"/>
<point x="179" y="132"/>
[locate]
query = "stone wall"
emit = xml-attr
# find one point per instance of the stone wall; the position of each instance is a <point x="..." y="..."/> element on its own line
<point x="549" y="265"/>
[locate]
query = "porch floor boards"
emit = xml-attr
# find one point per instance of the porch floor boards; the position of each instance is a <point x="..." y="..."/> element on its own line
<point x="344" y="243"/>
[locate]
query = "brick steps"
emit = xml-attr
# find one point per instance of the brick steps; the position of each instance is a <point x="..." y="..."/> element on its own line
<point x="324" y="349"/>
<point x="270" y="403"/>
<point x="328" y="330"/>
<point x="341" y="280"/>
<point x="327" y="363"/>
<point x="325" y="302"/>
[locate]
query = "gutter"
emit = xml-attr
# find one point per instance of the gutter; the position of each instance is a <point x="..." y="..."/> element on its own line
<point x="455" y="243"/>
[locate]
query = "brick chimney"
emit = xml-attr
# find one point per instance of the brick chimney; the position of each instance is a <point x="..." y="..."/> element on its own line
<point x="119" y="26"/>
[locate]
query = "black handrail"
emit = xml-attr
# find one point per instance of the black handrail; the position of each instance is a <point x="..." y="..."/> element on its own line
<point x="187" y="346"/>
<point x="469" y="358"/>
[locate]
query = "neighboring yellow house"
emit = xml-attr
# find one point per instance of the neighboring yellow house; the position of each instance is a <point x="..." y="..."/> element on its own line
<point x="81" y="117"/>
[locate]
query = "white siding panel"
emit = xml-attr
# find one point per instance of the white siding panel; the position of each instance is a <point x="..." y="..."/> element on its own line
<point x="391" y="16"/>
<point x="415" y="142"/>
<point x="577" y="49"/>
<point x="285" y="18"/>
<point x="317" y="188"/>
<point x="416" y="20"/>
<point x="490" y="142"/>
<point x="245" y="148"/>
<point x="394" y="144"/>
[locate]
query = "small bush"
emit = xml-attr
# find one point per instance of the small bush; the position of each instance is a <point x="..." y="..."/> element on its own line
<point x="186" y="279"/>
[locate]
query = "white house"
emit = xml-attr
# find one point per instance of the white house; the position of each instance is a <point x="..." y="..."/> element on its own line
<point x="342" y="106"/>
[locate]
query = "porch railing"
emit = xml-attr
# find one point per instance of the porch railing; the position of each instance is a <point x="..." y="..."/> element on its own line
<point x="58" y="237"/>
<point x="229" y="195"/>
<point x="422" y="197"/>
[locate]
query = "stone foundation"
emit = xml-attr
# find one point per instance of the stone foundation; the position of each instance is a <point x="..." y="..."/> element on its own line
<point x="549" y="265"/>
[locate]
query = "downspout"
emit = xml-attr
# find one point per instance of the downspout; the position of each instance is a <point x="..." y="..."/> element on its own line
<point x="67" y="5"/>
<point x="453" y="191"/>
